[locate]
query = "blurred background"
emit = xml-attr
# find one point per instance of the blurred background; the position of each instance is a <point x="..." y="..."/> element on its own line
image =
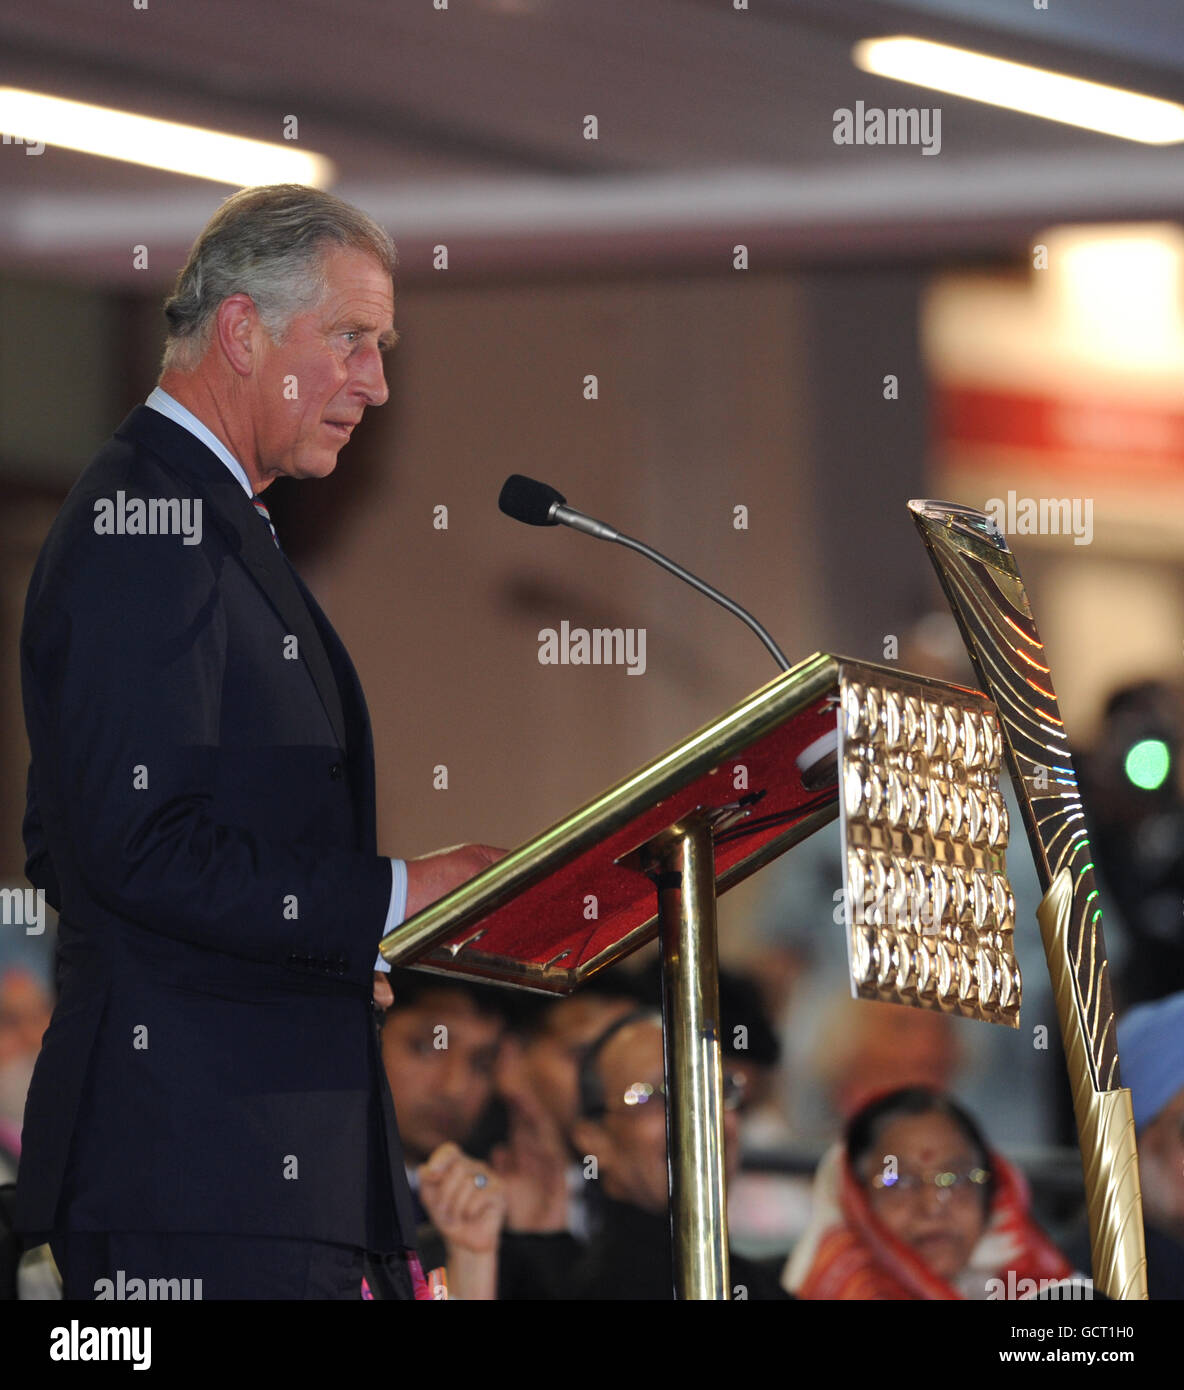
<point x="636" y="263"/>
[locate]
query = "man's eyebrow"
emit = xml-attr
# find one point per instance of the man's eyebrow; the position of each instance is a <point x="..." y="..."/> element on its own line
<point x="386" y="339"/>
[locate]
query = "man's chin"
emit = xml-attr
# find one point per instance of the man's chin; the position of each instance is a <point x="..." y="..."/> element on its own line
<point x="303" y="469"/>
<point x="319" y="467"/>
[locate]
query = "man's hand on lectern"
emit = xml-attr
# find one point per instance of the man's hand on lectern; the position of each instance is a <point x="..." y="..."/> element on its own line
<point x="431" y="876"/>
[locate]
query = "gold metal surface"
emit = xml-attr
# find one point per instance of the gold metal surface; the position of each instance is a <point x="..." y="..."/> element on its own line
<point x="986" y="594"/>
<point x="929" y="909"/>
<point x="1105" y="1122"/>
<point x="680" y="863"/>
<point x="988" y="599"/>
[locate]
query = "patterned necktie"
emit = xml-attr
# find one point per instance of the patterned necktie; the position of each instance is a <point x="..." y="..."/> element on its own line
<point x="266" y="515"/>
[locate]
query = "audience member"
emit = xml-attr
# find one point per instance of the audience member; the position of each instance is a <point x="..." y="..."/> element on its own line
<point x="538" y="1083"/>
<point x="25" y="1009"/>
<point x="866" y="1049"/>
<point x="1151" y="1049"/>
<point x="914" y="1205"/>
<point x="440" y="1040"/>
<point x="622" y="1133"/>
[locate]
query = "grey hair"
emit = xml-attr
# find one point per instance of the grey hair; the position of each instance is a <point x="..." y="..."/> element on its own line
<point x="268" y="243"/>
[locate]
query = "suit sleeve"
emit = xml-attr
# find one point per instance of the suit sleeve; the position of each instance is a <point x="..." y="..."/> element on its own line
<point x="128" y="649"/>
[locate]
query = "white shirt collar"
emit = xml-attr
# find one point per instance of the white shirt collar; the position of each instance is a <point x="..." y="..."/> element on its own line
<point x="164" y="404"/>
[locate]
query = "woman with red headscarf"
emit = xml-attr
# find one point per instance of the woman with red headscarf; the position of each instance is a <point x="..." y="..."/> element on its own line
<point x="913" y="1205"/>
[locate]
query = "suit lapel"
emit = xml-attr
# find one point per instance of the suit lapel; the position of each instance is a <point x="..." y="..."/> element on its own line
<point x="276" y="577"/>
<point x="361" y="752"/>
<point x="182" y="454"/>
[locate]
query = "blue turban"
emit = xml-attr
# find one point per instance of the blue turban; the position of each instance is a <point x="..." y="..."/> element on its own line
<point x="1151" y="1055"/>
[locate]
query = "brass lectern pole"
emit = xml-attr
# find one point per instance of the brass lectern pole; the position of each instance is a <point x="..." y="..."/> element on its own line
<point x="682" y="864"/>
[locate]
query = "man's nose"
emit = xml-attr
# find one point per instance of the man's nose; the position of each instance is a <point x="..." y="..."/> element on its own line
<point x="453" y="1077"/>
<point x="369" y="378"/>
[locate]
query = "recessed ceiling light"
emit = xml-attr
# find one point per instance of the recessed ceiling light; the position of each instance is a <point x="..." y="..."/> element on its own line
<point x="1034" y="91"/>
<point x="180" y="149"/>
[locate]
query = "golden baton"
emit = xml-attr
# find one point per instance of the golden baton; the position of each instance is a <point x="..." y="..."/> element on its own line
<point x="982" y="582"/>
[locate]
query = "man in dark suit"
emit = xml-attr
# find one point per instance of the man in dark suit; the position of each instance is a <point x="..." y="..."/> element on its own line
<point x="209" y="1102"/>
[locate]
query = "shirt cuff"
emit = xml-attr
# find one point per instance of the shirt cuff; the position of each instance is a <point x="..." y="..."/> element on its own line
<point x="398" y="905"/>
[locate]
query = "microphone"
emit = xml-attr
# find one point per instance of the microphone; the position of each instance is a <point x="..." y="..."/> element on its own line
<point x="538" y="504"/>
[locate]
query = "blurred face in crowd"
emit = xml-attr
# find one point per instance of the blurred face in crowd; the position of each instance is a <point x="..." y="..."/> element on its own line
<point x="439" y="1056"/>
<point x="1161" y="1167"/>
<point x="881" y="1047"/>
<point x="629" y="1139"/>
<point x="543" y="1071"/>
<point x="941" y="1221"/>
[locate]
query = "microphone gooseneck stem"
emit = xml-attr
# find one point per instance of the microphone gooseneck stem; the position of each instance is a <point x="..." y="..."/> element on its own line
<point x="714" y="594"/>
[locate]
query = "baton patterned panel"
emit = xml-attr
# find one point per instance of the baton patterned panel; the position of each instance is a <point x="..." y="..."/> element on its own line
<point x="928" y="908"/>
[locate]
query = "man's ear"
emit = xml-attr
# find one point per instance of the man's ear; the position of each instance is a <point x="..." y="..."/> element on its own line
<point x="238" y="332"/>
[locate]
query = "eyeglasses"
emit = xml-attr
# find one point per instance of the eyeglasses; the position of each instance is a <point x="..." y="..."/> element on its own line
<point x="949" y="1185"/>
<point x="641" y="1093"/>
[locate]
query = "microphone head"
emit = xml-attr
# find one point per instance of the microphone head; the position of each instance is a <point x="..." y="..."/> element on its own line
<point x="529" y="501"/>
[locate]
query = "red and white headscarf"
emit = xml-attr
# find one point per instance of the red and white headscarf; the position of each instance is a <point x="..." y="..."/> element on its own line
<point x="848" y="1253"/>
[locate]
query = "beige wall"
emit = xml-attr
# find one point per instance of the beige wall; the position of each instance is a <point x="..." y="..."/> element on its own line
<point x="698" y="411"/>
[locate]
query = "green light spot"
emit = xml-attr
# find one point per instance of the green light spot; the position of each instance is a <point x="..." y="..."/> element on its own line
<point x="1148" y="764"/>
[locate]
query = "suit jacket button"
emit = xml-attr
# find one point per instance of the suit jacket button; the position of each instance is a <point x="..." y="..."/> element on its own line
<point x="337" y="772"/>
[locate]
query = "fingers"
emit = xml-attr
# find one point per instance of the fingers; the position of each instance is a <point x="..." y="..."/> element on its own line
<point x="457" y="1189"/>
<point x="439" y="1162"/>
<point x="431" y="876"/>
<point x="468" y="1190"/>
